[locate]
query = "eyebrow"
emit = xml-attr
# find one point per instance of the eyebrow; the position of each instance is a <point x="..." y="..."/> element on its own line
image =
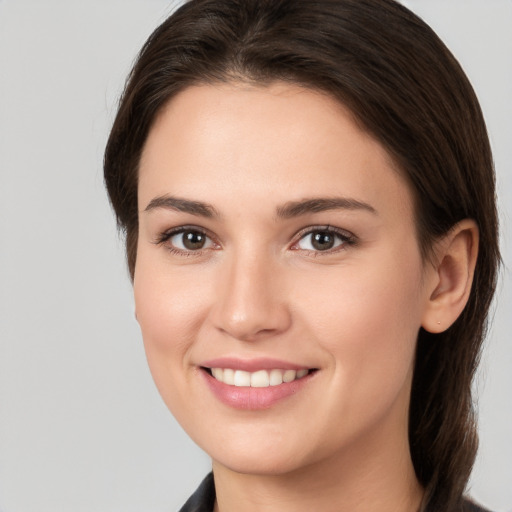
<point x="288" y="210"/>
<point x="320" y="204"/>
<point x="182" y="205"/>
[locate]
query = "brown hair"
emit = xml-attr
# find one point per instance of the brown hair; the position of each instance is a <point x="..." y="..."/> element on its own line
<point x="406" y="89"/>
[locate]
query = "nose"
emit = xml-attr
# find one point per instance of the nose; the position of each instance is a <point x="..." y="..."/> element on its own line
<point x="251" y="299"/>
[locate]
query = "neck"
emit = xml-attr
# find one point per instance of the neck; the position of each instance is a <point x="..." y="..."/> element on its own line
<point x="313" y="489"/>
<point x="374" y="474"/>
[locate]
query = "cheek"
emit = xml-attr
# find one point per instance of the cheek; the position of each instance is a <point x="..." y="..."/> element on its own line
<point x="170" y="309"/>
<point x="367" y="321"/>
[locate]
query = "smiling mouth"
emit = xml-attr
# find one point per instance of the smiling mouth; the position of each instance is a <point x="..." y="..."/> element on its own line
<point x="257" y="379"/>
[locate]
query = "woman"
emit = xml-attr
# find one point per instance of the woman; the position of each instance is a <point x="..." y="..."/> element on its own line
<point x="307" y="193"/>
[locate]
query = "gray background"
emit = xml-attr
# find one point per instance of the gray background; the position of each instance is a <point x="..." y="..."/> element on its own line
<point x="81" y="426"/>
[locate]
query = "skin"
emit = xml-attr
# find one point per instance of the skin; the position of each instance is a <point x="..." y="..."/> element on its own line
<point x="258" y="288"/>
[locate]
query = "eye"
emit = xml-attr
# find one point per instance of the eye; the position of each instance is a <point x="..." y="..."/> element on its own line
<point x="186" y="240"/>
<point x="190" y="240"/>
<point x="323" y="240"/>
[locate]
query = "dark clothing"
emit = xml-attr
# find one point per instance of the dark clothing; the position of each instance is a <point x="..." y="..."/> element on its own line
<point x="204" y="498"/>
<point x="469" y="506"/>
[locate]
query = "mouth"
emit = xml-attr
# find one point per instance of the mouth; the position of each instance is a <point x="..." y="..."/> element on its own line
<point x="257" y="379"/>
<point x="254" y="388"/>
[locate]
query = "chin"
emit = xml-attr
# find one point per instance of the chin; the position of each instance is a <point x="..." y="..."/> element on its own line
<point x="257" y="465"/>
<point x="259" y="458"/>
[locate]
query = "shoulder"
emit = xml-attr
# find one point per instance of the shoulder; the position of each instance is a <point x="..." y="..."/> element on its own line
<point x="471" y="506"/>
<point x="203" y="498"/>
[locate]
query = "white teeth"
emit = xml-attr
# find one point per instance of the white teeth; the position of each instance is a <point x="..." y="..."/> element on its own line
<point x="218" y="373"/>
<point x="300" y="374"/>
<point x="289" y="375"/>
<point x="242" y="379"/>
<point x="229" y="376"/>
<point x="276" y="377"/>
<point x="258" y="379"/>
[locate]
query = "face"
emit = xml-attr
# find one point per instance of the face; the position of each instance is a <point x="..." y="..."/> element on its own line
<point x="279" y="284"/>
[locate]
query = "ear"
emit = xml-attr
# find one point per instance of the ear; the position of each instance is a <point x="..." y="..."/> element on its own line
<point x="449" y="280"/>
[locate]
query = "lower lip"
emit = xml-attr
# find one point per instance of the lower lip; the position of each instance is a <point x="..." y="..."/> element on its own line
<point x="254" y="398"/>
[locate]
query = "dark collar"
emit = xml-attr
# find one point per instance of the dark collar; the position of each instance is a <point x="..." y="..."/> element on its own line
<point x="203" y="499"/>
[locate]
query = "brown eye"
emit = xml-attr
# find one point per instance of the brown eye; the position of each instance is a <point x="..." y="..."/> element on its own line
<point x="190" y="240"/>
<point x="193" y="240"/>
<point x="322" y="240"/>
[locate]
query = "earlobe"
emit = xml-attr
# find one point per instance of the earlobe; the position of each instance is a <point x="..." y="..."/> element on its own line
<point x="449" y="282"/>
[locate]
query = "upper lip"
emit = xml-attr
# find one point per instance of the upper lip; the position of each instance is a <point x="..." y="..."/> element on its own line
<point x="252" y="365"/>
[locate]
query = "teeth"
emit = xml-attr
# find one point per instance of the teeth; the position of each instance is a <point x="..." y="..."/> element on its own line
<point x="301" y="373"/>
<point x="276" y="377"/>
<point x="289" y="375"/>
<point x="228" y="377"/>
<point x="218" y="373"/>
<point x="242" y="379"/>
<point x="259" y="379"/>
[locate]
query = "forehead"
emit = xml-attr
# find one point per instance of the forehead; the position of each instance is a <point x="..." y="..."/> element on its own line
<point x="280" y="141"/>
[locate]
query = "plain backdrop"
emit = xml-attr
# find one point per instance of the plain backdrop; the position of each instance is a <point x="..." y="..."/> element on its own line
<point x="82" y="428"/>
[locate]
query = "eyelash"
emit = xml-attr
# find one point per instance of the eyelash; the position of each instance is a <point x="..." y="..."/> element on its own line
<point x="346" y="238"/>
<point x="164" y="237"/>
